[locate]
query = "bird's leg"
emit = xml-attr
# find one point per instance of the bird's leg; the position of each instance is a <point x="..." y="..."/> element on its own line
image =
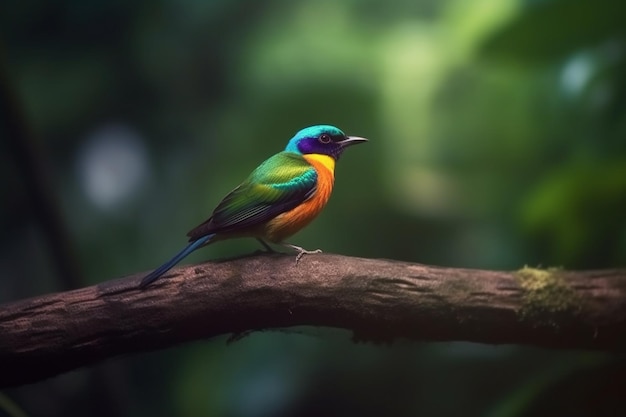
<point x="301" y="251"/>
<point x="264" y="243"/>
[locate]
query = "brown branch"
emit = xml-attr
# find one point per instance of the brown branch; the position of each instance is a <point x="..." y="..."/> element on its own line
<point x="379" y="300"/>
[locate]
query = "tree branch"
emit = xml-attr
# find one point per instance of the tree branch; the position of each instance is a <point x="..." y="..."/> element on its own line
<point x="379" y="300"/>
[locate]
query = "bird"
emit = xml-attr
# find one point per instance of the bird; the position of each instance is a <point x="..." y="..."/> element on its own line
<point x="280" y="197"/>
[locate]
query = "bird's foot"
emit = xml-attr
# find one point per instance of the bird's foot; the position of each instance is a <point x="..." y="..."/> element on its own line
<point x="301" y="251"/>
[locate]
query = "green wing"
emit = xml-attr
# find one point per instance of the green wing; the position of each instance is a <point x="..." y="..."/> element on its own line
<point x="279" y="184"/>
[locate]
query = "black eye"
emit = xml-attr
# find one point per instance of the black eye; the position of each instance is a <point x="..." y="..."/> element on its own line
<point x="325" y="138"/>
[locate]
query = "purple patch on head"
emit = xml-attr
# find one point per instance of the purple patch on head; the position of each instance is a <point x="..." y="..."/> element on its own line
<point x="308" y="145"/>
<point x="313" y="145"/>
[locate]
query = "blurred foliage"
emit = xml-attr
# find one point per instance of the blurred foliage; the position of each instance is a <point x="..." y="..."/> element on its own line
<point x="496" y="134"/>
<point x="550" y="31"/>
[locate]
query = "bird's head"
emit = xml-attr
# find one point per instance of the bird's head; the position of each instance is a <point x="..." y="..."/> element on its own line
<point x="322" y="139"/>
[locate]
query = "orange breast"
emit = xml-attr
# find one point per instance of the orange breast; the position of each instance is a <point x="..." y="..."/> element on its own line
<point x="290" y="222"/>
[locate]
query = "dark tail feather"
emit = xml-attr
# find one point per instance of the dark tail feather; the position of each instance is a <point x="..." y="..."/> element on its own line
<point x="154" y="275"/>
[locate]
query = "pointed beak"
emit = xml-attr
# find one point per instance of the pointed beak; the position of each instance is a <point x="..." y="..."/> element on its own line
<point x="351" y="140"/>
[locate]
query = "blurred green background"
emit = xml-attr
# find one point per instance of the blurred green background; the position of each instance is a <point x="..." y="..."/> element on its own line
<point x="497" y="139"/>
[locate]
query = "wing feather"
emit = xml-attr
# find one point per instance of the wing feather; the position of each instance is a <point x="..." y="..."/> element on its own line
<point x="279" y="184"/>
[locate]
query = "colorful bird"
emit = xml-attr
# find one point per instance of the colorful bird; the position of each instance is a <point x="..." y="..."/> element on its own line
<point x="280" y="197"/>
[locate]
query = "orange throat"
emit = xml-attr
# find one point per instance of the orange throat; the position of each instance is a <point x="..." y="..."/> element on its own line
<point x="290" y="222"/>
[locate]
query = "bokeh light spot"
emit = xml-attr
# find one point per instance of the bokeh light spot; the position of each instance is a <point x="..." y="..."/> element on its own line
<point x="112" y="166"/>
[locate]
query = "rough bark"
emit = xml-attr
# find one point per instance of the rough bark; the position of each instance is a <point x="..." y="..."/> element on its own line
<point x="379" y="300"/>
